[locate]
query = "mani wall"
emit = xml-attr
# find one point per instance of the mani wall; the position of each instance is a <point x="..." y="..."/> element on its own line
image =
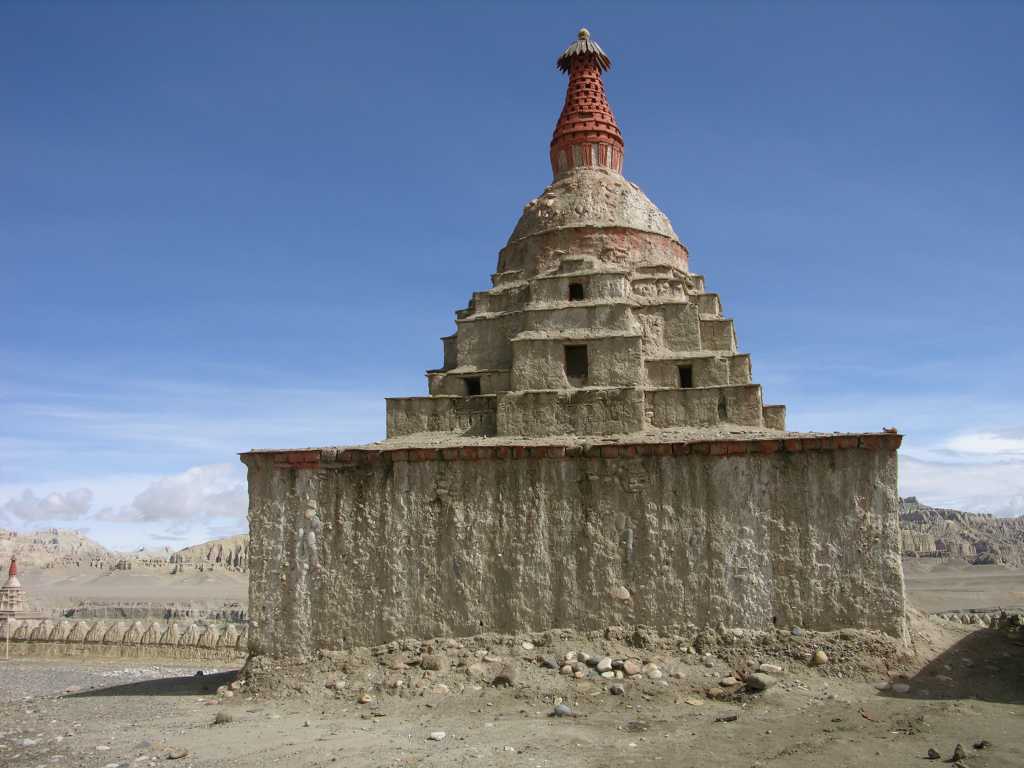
<point x="362" y="546"/>
<point x="121" y="639"/>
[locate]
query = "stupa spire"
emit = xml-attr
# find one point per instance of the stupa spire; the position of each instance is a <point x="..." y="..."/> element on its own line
<point x="13" y="570"/>
<point x="586" y="134"/>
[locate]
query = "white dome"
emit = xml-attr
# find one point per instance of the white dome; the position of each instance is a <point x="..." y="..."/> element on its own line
<point x="592" y="197"/>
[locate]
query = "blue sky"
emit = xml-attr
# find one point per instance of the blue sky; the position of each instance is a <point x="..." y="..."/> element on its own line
<point x="237" y="225"/>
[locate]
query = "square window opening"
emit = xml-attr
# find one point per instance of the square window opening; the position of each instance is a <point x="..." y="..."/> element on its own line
<point x="577" y="292"/>
<point x="472" y="385"/>
<point x="685" y="376"/>
<point x="577" y="364"/>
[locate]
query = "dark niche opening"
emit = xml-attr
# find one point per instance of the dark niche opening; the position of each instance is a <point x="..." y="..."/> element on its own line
<point x="472" y="385"/>
<point x="577" y="364"/>
<point x="577" y="292"/>
<point x="723" y="411"/>
<point x="685" y="376"/>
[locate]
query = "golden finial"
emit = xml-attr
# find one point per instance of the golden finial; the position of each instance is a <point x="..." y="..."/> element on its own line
<point x="583" y="46"/>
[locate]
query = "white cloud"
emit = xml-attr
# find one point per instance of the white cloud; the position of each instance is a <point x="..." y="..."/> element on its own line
<point x="169" y="537"/>
<point x="189" y="507"/>
<point x="990" y="444"/>
<point x="197" y="495"/>
<point x="29" y="508"/>
<point x="975" y="470"/>
<point x="996" y="487"/>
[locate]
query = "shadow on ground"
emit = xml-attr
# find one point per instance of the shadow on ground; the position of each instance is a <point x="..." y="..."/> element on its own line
<point x="165" y="686"/>
<point x="984" y="665"/>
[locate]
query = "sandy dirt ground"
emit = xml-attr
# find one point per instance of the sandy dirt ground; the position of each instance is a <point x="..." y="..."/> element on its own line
<point x="141" y="593"/>
<point x="64" y="587"/>
<point x="935" y="584"/>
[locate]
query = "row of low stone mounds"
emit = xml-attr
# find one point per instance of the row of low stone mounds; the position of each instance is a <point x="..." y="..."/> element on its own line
<point x="229" y="639"/>
<point x="1008" y="623"/>
<point x="981" y="619"/>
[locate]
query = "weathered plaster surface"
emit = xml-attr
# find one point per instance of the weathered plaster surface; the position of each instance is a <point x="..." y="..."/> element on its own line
<point x="592" y="198"/>
<point x="448" y="415"/>
<point x="363" y="547"/>
<point x="740" y="404"/>
<point x="610" y="248"/>
<point x="604" y="411"/>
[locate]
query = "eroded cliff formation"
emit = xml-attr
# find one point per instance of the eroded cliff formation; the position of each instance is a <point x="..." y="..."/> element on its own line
<point x="231" y="552"/>
<point x="976" y="538"/>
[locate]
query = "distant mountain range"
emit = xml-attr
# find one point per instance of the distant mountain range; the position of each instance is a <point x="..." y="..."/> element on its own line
<point x="926" y="532"/>
<point x="231" y="551"/>
<point x="42" y="548"/>
<point x="58" y="546"/>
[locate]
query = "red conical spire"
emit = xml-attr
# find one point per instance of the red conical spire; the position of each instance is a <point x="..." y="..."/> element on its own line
<point x="586" y="134"/>
<point x="13" y="570"/>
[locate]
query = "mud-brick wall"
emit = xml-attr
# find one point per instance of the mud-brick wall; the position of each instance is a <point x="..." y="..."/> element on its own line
<point x="360" y="547"/>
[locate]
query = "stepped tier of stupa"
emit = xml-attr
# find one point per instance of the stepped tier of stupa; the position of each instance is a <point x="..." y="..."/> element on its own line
<point x="594" y="323"/>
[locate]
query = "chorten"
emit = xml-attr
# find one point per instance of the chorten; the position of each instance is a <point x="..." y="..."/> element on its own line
<point x="12" y="594"/>
<point x="594" y="324"/>
<point x="592" y="452"/>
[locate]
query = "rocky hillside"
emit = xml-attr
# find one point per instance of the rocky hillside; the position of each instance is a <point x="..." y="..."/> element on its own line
<point x="981" y="539"/>
<point x="230" y="551"/>
<point x="57" y="547"/>
<point x="50" y="547"/>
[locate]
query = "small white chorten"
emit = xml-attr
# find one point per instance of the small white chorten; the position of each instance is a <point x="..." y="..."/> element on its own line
<point x="12" y="594"/>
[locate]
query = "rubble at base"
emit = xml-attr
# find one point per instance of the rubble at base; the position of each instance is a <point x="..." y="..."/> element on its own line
<point x="722" y="664"/>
